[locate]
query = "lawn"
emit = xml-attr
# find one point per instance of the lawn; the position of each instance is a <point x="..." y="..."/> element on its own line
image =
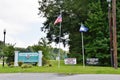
<point x="64" y="69"/>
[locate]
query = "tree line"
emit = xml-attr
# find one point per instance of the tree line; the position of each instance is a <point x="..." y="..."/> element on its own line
<point x="93" y="14"/>
<point x="49" y="53"/>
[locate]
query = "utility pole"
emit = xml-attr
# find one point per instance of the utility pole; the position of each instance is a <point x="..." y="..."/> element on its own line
<point x="114" y="34"/>
<point x="110" y="30"/>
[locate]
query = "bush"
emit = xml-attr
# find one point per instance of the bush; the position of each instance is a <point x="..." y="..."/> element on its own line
<point x="10" y="64"/>
<point x="20" y="63"/>
<point x="44" y="61"/>
<point x="35" y="63"/>
<point x="26" y="66"/>
<point x="9" y="60"/>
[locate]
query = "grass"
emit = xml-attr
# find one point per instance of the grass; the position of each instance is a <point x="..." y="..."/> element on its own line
<point x="64" y="69"/>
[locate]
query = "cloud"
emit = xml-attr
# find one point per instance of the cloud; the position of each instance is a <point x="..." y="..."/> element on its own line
<point x="12" y="28"/>
<point x="13" y="31"/>
<point x="19" y="10"/>
<point x="20" y="19"/>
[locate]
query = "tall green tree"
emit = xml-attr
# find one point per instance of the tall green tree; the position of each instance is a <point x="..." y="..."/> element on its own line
<point x="92" y="13"/>
<point x="72" y="17"/>
<point x="118" y="31"/>
<point x="98" y="36"/>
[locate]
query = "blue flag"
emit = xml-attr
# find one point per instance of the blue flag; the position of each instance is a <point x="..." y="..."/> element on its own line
<point x="83" y="28"/>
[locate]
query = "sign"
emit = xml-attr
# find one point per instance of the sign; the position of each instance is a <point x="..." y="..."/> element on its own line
<point x="70" y="60"/>
<point x="28" y="57"/>
<point x="92" y="61"/>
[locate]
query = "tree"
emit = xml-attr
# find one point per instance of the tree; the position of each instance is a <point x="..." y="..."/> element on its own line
<point x="8" y="51"/>
<point x="46" y="47"/>
<point x="92" y="14"/>
<point x="98" y="35"/>
<point x="72" y="17"/>
<point x="118" y="31"/>
<point x="1" y="48"/>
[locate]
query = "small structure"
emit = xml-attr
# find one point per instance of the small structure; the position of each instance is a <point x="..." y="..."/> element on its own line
<point x="26" y="57"/>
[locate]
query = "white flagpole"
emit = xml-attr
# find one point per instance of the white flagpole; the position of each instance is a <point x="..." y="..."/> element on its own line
<point x="83" y="49"/>
<point x="59" y="42"/>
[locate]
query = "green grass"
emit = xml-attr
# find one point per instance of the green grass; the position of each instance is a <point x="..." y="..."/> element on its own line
<point x="64" y="69"/>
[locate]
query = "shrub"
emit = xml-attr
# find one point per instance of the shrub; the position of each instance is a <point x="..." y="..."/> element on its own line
<point x="44" y="61"/>
<point x="35" y="64"/>
<point x="26" y="66"/>
<point x="9" y="59"/>
<point x="10" y="64"/>
<point x="20" y="63"/>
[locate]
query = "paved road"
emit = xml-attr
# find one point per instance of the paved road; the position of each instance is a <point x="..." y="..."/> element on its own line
<point x="52" y="76"/>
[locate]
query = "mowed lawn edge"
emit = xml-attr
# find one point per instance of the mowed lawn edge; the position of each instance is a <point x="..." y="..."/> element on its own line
<point x="64" y="69"/>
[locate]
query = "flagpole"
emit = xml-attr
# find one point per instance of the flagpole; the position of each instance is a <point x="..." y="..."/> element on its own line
<point x="59" y="42"/>
<point x="83" y="50"/>
<point x="83" y="29"/>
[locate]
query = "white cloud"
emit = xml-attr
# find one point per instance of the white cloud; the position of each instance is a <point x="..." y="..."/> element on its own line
<point x="13" y="31"/>
<point x="19" y="10"/>
<point x="20" y="19"/>
<point x="12" y="28"/>
<point x="22" y="24"/>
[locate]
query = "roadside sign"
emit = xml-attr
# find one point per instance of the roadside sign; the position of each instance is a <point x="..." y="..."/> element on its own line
<point x="70" y="61"/>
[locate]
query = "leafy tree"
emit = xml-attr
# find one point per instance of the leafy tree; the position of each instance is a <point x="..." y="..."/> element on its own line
<point x="8" y="51"/>
<point x="98" y="46"/>
<point x="72" y="16"/>
<point x="21" y="49"/>
<point x="93" y="13"/>
<point x="118" y="27"/>
<point x="45" y="47"/>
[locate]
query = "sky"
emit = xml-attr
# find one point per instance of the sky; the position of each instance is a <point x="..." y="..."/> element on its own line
<point x="22" y="23"/>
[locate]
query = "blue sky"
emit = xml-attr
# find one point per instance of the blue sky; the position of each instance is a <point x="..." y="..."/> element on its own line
<point x="22" y="24"/>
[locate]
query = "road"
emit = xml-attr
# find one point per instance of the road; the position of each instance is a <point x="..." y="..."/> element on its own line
<point x="53" y="76"/>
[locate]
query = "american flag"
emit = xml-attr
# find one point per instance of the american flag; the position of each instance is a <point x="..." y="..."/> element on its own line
<point x="58" y="20"/>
